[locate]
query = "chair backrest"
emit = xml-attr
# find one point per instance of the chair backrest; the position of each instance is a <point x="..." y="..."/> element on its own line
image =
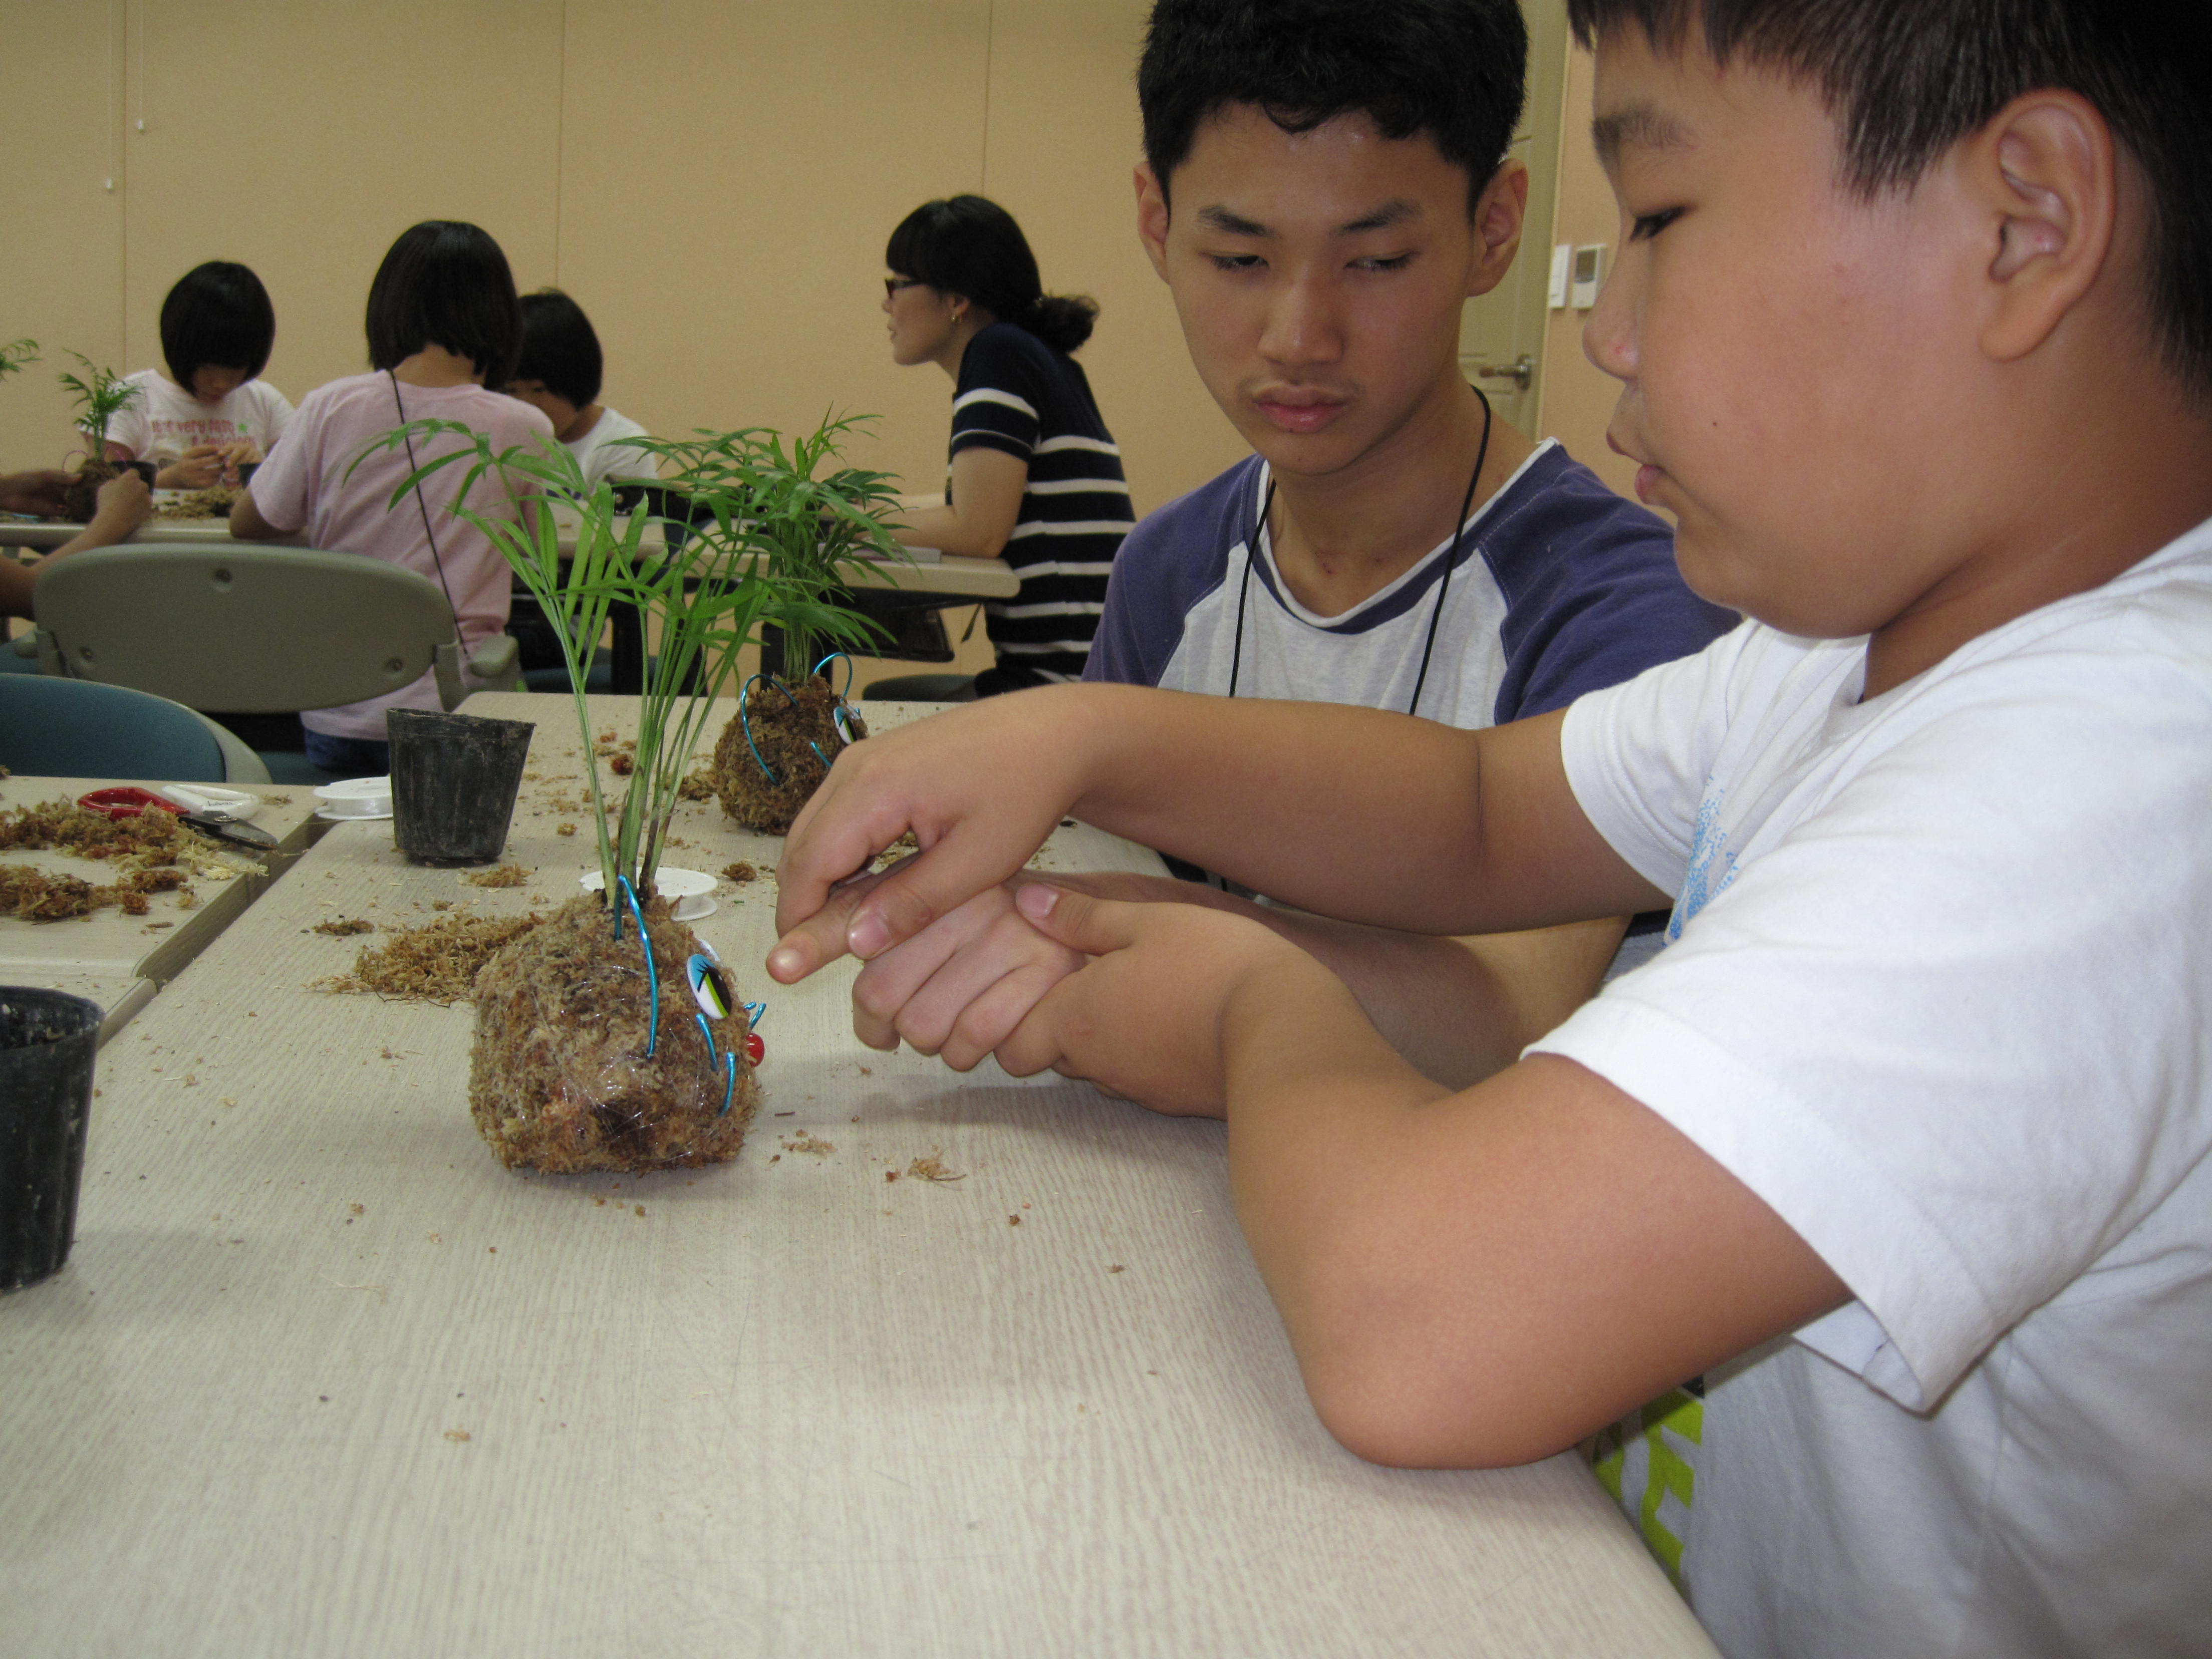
<point x="253" y="630"/>
<point x="74" y="729"/>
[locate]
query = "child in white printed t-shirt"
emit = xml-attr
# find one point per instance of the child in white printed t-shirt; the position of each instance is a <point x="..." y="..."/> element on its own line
<point x="211" y="413"/>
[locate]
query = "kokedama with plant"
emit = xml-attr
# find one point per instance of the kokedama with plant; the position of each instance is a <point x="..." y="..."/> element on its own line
<point x="610" y="1036"/>
<point x="813" y="534"/>
<point x="101" y="395"/>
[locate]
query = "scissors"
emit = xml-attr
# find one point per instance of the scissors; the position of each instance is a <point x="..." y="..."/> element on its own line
<point x="128" y="801"/>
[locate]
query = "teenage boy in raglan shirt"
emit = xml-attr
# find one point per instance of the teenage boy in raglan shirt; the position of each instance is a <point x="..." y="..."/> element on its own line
<point x="1413" y="551"/>
<point x="1903" y="1144"/>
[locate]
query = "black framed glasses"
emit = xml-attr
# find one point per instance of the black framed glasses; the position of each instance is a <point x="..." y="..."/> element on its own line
<point x="893" y="284"/>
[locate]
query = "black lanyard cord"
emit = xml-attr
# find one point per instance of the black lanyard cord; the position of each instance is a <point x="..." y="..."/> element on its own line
<point x="1436" y="611"/>
<point x="424" y="506"/>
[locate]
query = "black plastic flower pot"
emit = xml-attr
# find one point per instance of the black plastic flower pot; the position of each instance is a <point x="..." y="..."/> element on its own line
<point x="454" y="783"/>
<point x="47" y="1039"/>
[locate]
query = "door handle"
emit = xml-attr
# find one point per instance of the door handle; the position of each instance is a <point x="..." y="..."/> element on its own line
<point x="1522" y="373"/>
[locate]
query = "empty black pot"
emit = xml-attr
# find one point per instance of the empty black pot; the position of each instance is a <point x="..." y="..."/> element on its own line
<point x="453" y="782"/>
<point x="46" y="1043"/>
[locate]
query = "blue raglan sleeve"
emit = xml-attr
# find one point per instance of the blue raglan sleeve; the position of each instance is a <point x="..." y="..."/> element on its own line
<point x="1173" y="559"/>
<point x="1592" y="596"/>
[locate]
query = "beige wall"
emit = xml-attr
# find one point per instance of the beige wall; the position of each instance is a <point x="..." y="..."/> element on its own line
<point x="713" y="180"/>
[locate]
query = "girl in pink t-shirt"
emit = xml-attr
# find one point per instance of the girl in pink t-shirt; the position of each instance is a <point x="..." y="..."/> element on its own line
<point x="443" y="321"/>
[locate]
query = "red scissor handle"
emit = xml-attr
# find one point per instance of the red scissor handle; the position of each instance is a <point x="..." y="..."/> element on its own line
<point x="126" y="801"/>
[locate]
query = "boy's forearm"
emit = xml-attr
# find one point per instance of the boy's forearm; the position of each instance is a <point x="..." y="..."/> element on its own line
<point x="1482" y="1277"/>
<point x="1460" y="1009"/>
<point x="1355" y="813"/>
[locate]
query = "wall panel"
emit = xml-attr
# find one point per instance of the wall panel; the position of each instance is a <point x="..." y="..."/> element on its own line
<point x="363" y="119"/>
<point x="61" y="253"/>
<point x="1064" y="140"/>
<point x="730" y="171"/>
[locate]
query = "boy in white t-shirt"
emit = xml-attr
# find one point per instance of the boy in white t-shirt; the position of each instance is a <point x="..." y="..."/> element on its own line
<point x="557" y="372"/>
<point x="1902" y="1148"/>
<point x="212" y="412"/>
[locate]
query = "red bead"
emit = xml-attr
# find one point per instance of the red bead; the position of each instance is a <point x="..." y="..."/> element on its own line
<point x="756" y="1050"/>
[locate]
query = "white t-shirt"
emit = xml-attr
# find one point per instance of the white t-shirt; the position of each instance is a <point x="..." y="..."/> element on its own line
<point x="165" y="420"/>
<point x="603" y="454"/>
<point x="310" y="483"/>
<point x="1940" y="992"/>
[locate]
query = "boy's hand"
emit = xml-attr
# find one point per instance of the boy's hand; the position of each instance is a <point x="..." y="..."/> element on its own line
<point x="38" y="493"/>
<point x="958" y="988"/>
<point x="981" y="787"/>
<point x="1145" y="1019"/>
<point x="122" y="504"/>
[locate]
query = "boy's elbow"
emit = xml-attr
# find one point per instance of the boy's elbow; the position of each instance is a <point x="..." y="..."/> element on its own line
<point x="1394" y="1388"/>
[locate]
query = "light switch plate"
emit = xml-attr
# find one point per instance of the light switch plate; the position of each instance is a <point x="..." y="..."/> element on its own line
<point x="1589" y="273"/>
<point x="1563" y="256"/>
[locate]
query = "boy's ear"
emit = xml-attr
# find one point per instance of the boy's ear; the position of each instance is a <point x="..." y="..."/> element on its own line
<point x="2045" y="172"/>
<point x="1153" y="217"/>
<point x="1500" y="213"/>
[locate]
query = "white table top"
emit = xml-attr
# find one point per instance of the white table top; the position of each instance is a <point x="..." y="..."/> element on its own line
<point x="321" y="1378"/>
<point x="981" y="578"/>
<point x="119" y="960"/>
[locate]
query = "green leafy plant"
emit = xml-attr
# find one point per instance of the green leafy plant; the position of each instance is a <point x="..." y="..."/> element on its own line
<point x="754" y="539"/>
<point x="813" y="532"/>
<point x="15" y="355"/>
<point x="99" y="400"/>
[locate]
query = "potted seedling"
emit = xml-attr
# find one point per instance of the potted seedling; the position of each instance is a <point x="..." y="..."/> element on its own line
<point x="610" y="1037"/>
<point x="812" y="525"/>
<point x="101" y="395"/>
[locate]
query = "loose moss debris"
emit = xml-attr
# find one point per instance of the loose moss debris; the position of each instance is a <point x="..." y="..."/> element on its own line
<point x="438" y="961"/>
<point x="215" y="502"/>
<point x="809" y="1144"/>
<point x="339" y="929"/>
<point x="152" y="852"/>
<point x="739" y="873"/>
<point x="933" y="1168"/>
<point x="500" y="875"/>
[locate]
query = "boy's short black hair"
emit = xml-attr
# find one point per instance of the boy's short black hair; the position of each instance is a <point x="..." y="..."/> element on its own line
<point x="445" y="282"/>
<point x="1908" y="79"/>
<point x="1455" y="69"/>
<point x="217" y="316"/>
<point x="559" y="348"/>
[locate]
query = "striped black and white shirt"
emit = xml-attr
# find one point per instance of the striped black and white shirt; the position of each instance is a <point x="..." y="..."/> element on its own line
<point x="1018" y="395"/>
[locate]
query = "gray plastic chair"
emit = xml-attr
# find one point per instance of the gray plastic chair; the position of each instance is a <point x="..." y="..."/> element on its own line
<point x="254" y="629"/>
<point x="74" y="729"/>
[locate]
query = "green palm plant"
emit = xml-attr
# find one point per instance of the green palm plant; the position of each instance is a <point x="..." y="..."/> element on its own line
<point x="814" y="532"/>
<point x="730" y="567"/>
<point x="15" y="355"/>
<point x="98" y="399"/>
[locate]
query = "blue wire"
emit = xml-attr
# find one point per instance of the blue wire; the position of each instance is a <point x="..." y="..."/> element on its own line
<point x="754" y="1012"/>
<point x="851" y="670"/>
<point x="730" y="1065"/>
<point x="652" y="974"/>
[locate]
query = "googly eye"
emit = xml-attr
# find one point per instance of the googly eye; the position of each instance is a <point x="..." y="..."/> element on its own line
<point x="840" y="717"/>
<point x="710" y="987"/>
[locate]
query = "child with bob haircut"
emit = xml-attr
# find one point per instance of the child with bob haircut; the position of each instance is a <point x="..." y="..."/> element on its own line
<point x="557" y="372"/>
<point x="1902" y="1148"/>
<point x="212" y="413"/>
<point x="443" y="324"/>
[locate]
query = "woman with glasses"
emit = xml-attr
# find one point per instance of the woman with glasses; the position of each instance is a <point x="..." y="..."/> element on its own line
<point x="1034" y="477"/>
